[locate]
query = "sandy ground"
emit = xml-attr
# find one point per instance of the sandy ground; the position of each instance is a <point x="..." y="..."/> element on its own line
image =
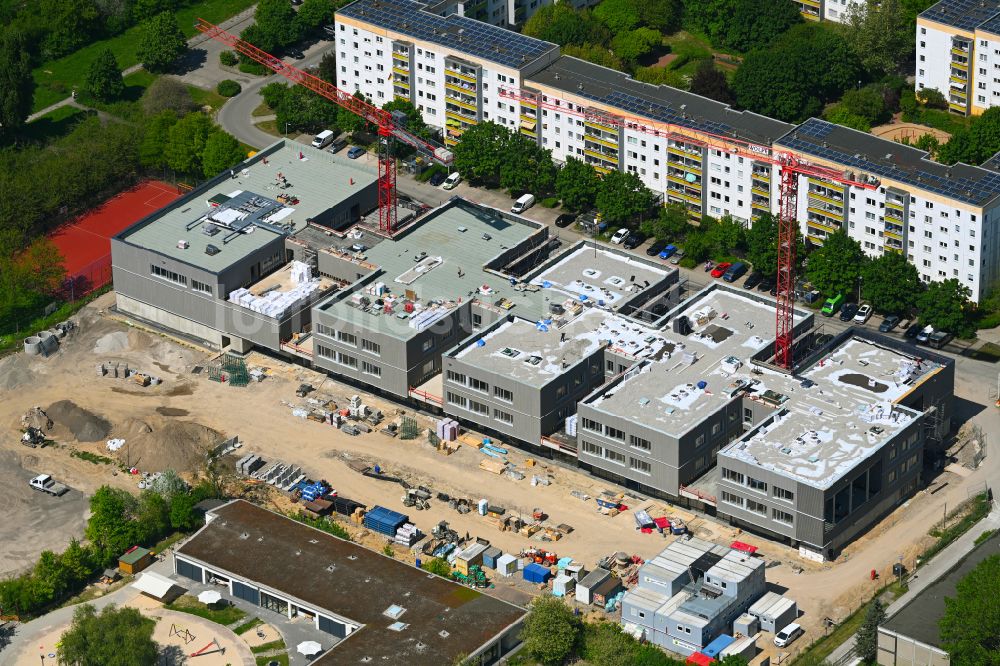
<point x="911" y="131"/>
<point x="261" y="414"/>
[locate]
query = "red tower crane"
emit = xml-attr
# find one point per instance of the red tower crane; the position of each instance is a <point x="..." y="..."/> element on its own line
<point x="388" y="127"/>
<point x="790" y="166"/>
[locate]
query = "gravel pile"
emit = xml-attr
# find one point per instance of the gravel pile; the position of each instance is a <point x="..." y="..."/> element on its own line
<point x="85" y="426"/>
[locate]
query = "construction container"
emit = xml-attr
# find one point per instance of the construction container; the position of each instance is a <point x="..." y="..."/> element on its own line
<point x="563" y="585"/>
<point x="490" y="556"/>
<point x="536" y="573"/>
<point x="471" y="556"/>
<point x="746" y="625"/>
<point x="774" y="611"/>
<point x="135" y="559"/>
<point x="575" y="571"/>
<point x="716" y="647"/>
<point x="745" y="647"/>
<point x="699" y="659"/>
<point x="590" y="581"/>
<point x="599" y="594"/>
<point x="385" y="521"/>
<point x="506" y="565"/>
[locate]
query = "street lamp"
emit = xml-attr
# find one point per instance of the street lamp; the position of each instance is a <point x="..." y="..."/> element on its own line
<point x="860" y="280"/>
<point x="286" y="129"/>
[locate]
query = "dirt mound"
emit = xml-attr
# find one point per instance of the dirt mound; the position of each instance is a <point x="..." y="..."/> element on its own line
<point x="115" y="341"/>
<point x="132" y="428"/>
<point x="85" y="426"/>
<point x="179" y="445"/>
<point x="14" y="371"/>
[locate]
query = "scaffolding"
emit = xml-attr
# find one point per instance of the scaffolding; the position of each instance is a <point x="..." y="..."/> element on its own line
<point x="231" y="369"/>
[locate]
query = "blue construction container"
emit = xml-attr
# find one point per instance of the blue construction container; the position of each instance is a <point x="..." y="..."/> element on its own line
<point x="718" y="645"/>
<point x="490" y="557"/>
<point x="536" y="573"/>
<point x="384" y="521"/>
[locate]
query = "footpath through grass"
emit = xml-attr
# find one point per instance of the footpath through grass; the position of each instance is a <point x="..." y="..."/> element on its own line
<point x="57" y="78"/>
<point x="225" y="616"/>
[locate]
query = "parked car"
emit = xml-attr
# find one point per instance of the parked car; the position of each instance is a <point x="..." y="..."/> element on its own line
<point x="359" y="247"/>
<point x="565" y="220"/>
<point x="939" y="339"/>
<point x="767" y="284"/>
<point x="784" y="637"/>
<point x="753" y="280"/>
<point x="523" y="203"/>
<point x="668" y="251"/>
<point x="676" y="259"/>
<point x="656" y="247"/>
<point x="620" y="236"/>
<point x="888" y="324"/>
<point x="832" y="305"/>
<point x="337" y="146"/>
<point x="925" y="333"/>
<point x="295" y="54"/>
<point x="437" y="178"/>
<point x="355" y="152"/>
<point x="847" y="311"/>
<point x="633" y="241"/>
<point x="863" y="314"/>
<point x="720" y="269"/>
<point x="323" y="139"/>
<point x="912" y="331"/>
<point x="735" y="272"/>
<point x="452" y="181"/>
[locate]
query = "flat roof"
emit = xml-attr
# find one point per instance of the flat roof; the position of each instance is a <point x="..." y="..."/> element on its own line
<point x="962" y="14"/>
<point x="295" y="559"/>
<point x="728" y="327"/>
<point x="606" y="275"/>
<point x="458" y="33"/>
<point x="536" y="352"/>
<point x="919" y="618"/>
<point x="853" y="149"/>
<point x="316" y="180"/>
<point x="658" y="103"/>
<point x="818" y="434"/>
<point x="456" y="241"/>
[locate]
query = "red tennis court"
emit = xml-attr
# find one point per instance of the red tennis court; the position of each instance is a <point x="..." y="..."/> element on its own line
<point x="84" y="243"/>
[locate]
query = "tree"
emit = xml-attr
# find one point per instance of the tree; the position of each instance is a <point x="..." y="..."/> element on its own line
<point x="113" y="637"/>
<point x="662" y="15"/>
<point x="167" y="92"/>
<point x="222" y="151"/>
<point x="762" y="244"/>
<point x="971" y="621"/>
<point x="550" y="630"/>
<point x="480" y="153"/>
<point x="77" y="562"/>
<point x="866" y="640"/>
<point x="153" y="518"/>
<point x="145" y="9"/>
<point x="111" y="527"/>
<point x="70" y="25"/>
<point x="350" y="121"/>
<point x="891" y="283"/>
<point x="945" y="306"/>
<point x="104" y="77"/>
<point x="161" y="43"/>
<point x="327" y="68"/>
<point x="16" y="83"/>
<point x="275" y="25"/>
<point x="711" y="83"/>
<point x="186" y="142"/>
<point x="932" y="98"/>
<point x="595" y="53"/>
<point x="414" y="120"/>
<point x="976" y="143"/>
<point x="562" y="24"/>
<point x="156" y="134"/>
<point x="671" y="223"/>
<point x="727" y="236"/>
<point x="182" y="513"/>
<point x="314" y="14"/>
<point x="606" y="644"/>
<point x="834" y="268"/>
<point x="41" y="265"/>
<point x="577" y="184"/>
<point x="622" y="197"/>
<point x="879" y="34"/>
<point x="632" y="45"/>
<point x="841" y="115"/>
<point x="742" y="25"/>
<point x="619" y="15"/>
<point x="527" y="168"/>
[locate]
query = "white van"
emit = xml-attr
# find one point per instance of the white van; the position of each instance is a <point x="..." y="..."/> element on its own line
<point x="323" y="139"/>
<point x="452" y="181"/>
<point x="787" y="635"/>
<point x="524" y="203"/>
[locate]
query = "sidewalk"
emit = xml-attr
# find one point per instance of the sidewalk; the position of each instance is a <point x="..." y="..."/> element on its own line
<point x="927" y="574"/>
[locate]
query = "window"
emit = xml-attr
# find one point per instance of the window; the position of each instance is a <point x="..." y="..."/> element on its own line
<point x="371" y="347"/>
<point x="169" y="276"/>
<point x="783" y="494"/>
<point x="716" y="428"/>
<point x="754" y="484"/>
<point x="781" y="516"/>
<point x="347" y="338"/>
<point x="456" y="377"/>
<point x="640" y="465"/>
<point x="503" y="417"/>
<point x="323" y="329"/>
<point x="371" y="369"/>
<point x="479" y="385"/>
<point x="347" y="360"/>
<point x="591" y="425"/>
<point x="592" y="449"/>
<point x="479" y="408"/>
<point x="730" y="498"/>
<point x="456" y="399"/>
<point x="325" y="352"/>
<point x="756" y="507"/>
<point x="639" y="443"/>
<point x="700" y="440"/>
<point x="202" y="287"/>
<point x="614" y="456"/>
<point x="730" y="475"/>
<point x="428" y="344"/>
<point x="615" y="433"/>
<point x="503" y="394"/>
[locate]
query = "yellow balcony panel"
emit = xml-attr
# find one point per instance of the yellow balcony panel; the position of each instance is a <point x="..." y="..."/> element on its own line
<point x="686" y="167"/>
<point x="403" y="98"/>
<point x="451" y="85"/>
<point x="610" y="159"/>
<point x="889" y="248"/>
<point x="600" y="169"/>
<point x="816" y="224"/>
<point x="896" y="205"/>
<point x="761" y="205"/>
<point x="679" y="178"/>
<point x="677" y="150"/>
<point x="826" y="199"/>
<point x="459" y="117"/>
<point x="471" y="78"/>
<point x="471" y="106"/>
<point x="611" y="129"/>
<point x="959" y="52"/>
<point x="828" y="185"/>
<point x="762" y="191"/>
<point x="895" y="235"/>
<point x="601" y="140"/>
<point x="815" y="240"/>
<point x="825" y="213"/>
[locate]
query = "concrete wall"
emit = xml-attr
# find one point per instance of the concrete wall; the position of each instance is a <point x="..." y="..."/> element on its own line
<point x="898" y="650"/>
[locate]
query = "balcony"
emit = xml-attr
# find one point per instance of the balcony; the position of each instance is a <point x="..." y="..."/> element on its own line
<point x="611" y="158"/>
<point x="682" y="178"/>
<point x="823" y="212"/>
<point x="822" y="225"/>
<point x="763" y="191"/>
<point x="461" y="86"/>
<point x="678" y="149"/>
<point x="464" y="103"/>
<point x="609" y="143"/>
<point x="894" y="204"/>
<point x="763" y="206"/>
<point x="469" y="77"/>
<point x="837" y="202"/>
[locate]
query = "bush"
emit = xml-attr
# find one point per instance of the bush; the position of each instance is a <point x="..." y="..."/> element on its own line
<point x="228" y="88"/>
<point x="253" y="68"/>
<point x="550" y="202"/>
<point x="228" y="59"/>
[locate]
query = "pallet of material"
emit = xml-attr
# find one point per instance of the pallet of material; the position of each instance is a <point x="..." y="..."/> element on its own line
<point x="471" y="440"/>
<point x="492" y="466"/>
<point x="528" y="530"/>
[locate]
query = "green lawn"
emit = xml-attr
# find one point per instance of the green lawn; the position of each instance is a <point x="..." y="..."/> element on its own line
<point x="247" y="626"/>
<point x="56" y="78"/>
<point x="225" y="616"/>
<point x="269" y="647"/>
<point x="204" y="97"/>
<point x="54" y="124"/>
<point x="262" y="110"/>
<point x="824" y="647"/>
<point x="269" y="126"/>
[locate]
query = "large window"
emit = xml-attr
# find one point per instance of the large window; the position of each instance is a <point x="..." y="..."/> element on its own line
<point x="640" y="465"/>
<point x="345" y="359"/>
<point x="754" y="484"/>
<point x="371" y="347"/>
<point x="371" y="369"/>
<point x="615" y="433"/>
<point x="591" y="425"/>
<point x="478" y="385"/>
<point x="756" y="507"/>
<point x="782" y="516"/>
<point x="730" y="475"/>
<point x="730" y="498"/>
<point x="503" y="394"/>
<point x="614" y="456"/>
<point x="639" y="443"/>
<point x="347" y="338"/>
<point x="592" y="449"/>
<point x="201" y="287"/>
<point x="479" y="408"/>
<point x="456" y="377"/>
<point x="502" y="416"/>
<point x="783" y="494"/>
<point x="456" y="399"/>
<point x="169" y="276"/>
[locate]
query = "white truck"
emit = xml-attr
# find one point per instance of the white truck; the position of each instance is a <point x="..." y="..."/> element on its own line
<point x="47" y="484"/>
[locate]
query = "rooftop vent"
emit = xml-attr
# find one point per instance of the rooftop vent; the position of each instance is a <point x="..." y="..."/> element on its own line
<point x="398" y="626"/>
<point x="331" y="568"/>
<point x="245" y="535"/>
<point x="211" y="250"/>
<point x="443" y="633"/>
<point x="183" y="245"/>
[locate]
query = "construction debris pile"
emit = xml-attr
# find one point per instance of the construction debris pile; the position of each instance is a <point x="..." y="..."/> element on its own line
<point x="121" y="370"/>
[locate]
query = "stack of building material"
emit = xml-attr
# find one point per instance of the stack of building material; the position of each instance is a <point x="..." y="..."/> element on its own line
<point x="506" y="565"/>
<point x="492" y="466"/>
<point x="490" y="557"/>
<point x="407" y="535"/>
<point x="346" y="507"/>
<point x="536" y="573"/>
<point x="385" y="521"/>
<point x="447" y="429"/>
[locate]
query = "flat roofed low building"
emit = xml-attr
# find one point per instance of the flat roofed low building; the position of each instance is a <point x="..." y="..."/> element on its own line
<point x="178" y="266"/>
<point x="380" y="609"/>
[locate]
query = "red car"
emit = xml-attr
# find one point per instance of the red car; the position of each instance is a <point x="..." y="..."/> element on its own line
<point x="720" y="269"/>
